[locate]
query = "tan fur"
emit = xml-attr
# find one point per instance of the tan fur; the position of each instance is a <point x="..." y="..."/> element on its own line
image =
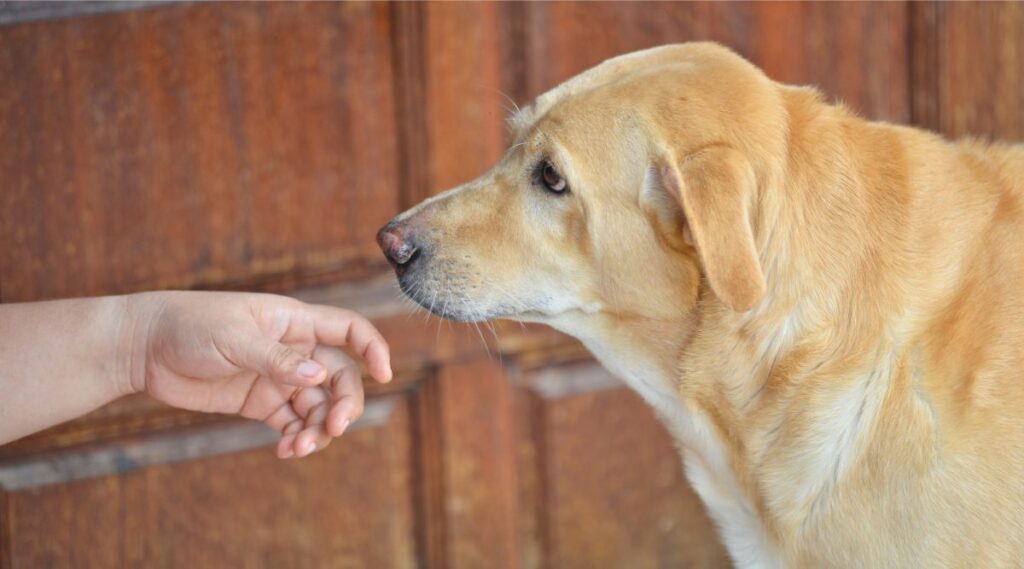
<point x="838" y="347"/>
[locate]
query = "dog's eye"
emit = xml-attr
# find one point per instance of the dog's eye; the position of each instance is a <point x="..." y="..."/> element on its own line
<point x="551" y="179"/>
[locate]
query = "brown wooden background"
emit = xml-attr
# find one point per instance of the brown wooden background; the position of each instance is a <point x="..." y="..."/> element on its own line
<point x="259" y="146"/>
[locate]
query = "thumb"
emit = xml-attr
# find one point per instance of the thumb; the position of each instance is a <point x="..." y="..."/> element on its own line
<point x="282" y="364"/>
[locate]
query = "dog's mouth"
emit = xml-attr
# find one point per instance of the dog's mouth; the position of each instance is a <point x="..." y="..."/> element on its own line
<point x="446" y="296"/>
<point x="453" y="297"/>
<point x="450" y="290"/>
<point x="437" y="304"/>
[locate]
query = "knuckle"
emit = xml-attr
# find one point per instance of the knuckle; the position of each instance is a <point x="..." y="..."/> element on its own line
<point x="280" y="357"/>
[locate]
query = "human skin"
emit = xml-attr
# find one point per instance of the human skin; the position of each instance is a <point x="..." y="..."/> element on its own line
<point x="261" y="356"/>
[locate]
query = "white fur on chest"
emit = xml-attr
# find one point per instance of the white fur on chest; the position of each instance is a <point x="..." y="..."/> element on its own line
<point x="704" y="456"/>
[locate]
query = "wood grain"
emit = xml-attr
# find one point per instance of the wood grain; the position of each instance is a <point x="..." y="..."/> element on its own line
<point x="410" y="75"/>
<point x="464" y="100"/>
<point x="350" y="506"/>
<point x="924" y="64"/>
<point x="71" y="525"/>
<point x="855" y="51"/>
<point x="980" y="66"/>
<point x="477" y="439"/>
<point x="193" y="144"/>
<point x="5" y="532"/>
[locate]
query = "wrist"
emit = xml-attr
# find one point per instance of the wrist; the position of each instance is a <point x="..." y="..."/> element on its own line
<point x="141" y="313"/>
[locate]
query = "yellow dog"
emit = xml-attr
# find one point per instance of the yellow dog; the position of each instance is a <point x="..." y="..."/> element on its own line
<point x="827" y="313"/>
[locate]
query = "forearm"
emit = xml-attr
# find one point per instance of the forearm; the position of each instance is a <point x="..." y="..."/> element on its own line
<point x="61" y="359"/>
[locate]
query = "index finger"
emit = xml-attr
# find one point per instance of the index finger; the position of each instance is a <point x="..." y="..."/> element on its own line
<point x="339" y="327"/>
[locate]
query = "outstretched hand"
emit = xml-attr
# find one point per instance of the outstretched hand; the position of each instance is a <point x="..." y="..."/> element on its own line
<point x="264" y="357"/>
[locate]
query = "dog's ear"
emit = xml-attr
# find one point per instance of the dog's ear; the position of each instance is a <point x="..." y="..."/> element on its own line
<point x="715" y="188"/>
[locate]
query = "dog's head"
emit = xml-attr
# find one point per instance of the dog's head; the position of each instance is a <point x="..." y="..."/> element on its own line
<point x="622" y="189"/>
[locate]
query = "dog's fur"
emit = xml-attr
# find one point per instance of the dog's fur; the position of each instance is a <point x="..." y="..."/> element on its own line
<point x="827" y="313"/>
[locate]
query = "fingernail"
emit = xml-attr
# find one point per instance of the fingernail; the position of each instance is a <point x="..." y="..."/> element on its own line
<point x="344" y="425"/>
<point x="309" y="448"/>
<point x="288" y="454"/>
<point x="309" y="368"/>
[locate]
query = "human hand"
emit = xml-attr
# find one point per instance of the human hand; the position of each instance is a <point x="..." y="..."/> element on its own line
<point x="265" y="357"/>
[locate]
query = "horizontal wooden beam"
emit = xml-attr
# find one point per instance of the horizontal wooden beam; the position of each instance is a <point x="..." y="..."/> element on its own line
<point x="116" y="457"/>
<point x="17" y="12"/>
<point x="562" y="381"/>
<point x="376" y="297"/>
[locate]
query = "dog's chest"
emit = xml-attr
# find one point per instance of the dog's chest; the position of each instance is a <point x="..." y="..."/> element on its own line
<point x="708" y="469"/>
<point x="704" y="457"/>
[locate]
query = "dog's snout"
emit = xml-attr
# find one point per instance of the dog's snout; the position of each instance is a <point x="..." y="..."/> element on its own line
<point x="398" y="245"/>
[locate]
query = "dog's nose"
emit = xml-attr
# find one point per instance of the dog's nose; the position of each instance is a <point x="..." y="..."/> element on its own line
<point x="397" y="244"/>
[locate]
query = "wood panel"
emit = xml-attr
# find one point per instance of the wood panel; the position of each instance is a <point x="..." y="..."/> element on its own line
<point x="613" y="489"/>
<point x="5" y="532"/>
<point x="193" y="145"/>
<point x="969" y="64"/>
<point x="855" y="51"/>
<point x="49" y="529"/>
<point x="350" y="506"/>
<point x="479" y="476"/>
<point x="466" y="61"/>
<point x="465" y="100"/>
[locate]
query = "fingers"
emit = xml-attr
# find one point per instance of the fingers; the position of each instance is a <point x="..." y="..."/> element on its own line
<point x="339" y="327"/>
<point x="347" y="399"/>
<point x="315" y="415"/>
<point x="313" y="437"/>
<point x="285" y="446"/>
<point x="280" y="363"/>
<point x="303" y="434"/>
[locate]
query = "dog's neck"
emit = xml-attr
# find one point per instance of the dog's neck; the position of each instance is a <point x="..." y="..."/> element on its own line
<point x="642" y="351"/>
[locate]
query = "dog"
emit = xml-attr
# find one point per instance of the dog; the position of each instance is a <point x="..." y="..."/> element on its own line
<point x="826" y="313"/>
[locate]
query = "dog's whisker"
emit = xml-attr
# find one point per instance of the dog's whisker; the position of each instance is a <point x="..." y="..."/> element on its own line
<point x="476" y="326"/>
<point x="515" y="106"/>
<point x="430" y="310"/>
<point x="444" y="312"/>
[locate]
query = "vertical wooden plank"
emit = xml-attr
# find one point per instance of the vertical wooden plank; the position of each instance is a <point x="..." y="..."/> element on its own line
<point x="429" y="473"/>
<point x="532" y="501"/>
<point x="925" y="64"/>
<point x="464" y="100"/>
<point x="410" y="79"/>
<point x="981" y="63"/>
<point x="967" y="62"/>
<point x="5" y="532"/>
<point x="460" y="69"/>
<point x="319" y="83"/>
<point x="480" y="472"/>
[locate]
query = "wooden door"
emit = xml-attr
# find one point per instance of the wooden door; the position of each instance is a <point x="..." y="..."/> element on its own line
<point x="258" y="147"/>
